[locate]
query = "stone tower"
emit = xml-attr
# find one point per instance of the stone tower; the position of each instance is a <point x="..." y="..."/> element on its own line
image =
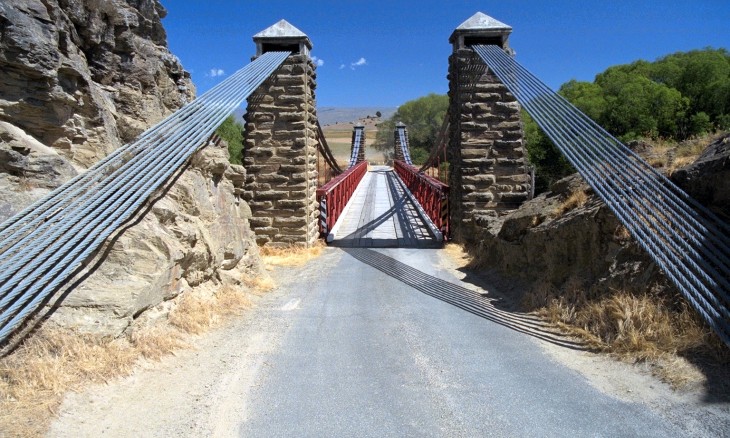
<point x="398" y="147"/>
<point x="489" y="171"/>
<point x="358" y="130"/>
<point x="280" y="146"/>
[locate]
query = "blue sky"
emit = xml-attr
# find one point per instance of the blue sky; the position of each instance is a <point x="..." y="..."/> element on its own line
<point x="383" y="53"/>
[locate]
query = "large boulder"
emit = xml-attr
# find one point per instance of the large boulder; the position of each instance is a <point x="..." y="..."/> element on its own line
<point x="195" y="231"/>
<point x="28" y="169"/>
<point x="708" y="178"/>
<point x="541" y="243"/>
<point x="86" y="76"/>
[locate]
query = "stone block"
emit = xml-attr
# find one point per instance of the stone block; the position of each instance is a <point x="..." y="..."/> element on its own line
<point x="290" y="168"/>
<point x="480" y="179"/>
<point x="507" y="147"/>
<point x="264" y="152"/>
<point x="258" y="186"/>
<point x="257" y="169"/>
<point x="474" y="153"/>
<point x="290" y="222"/>
<point x="507" y="106"/>
<point x="513" y="179"/>
<point x="261" y="222"/>
<point x="271" y="195"/>
<point x="482" y="162"/>
<point x="259" y="205"/>
<point x="298" y="231"/>
<point x="298" y="194"/>
<point x="274" y="178"/>
<point x="509" y="124"/>
<point x="270" y="231"/>
<point x="479" y="196"/>
<point x="513" y="197"/>
<point x="291" y="204"/>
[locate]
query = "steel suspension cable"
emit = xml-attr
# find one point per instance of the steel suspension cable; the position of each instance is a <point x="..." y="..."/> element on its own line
<point x="81" y="209"/>
<point x="678" y="222"/>
<point x="692" y="248"/>
<point x="165" y="153"/>
<point x="326" y="151"/>
<point x="637" y="166"/>
<point x="689" y="233"/>
<point x="24" y="222"/>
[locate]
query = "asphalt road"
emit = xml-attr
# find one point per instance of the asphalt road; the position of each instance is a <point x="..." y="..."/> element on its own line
<point x="387" y="343"/>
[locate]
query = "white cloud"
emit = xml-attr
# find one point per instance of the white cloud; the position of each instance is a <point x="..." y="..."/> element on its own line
<point x="342" y="66"/>
<point x="319" y="62"/>
<point x="358" y="63"/>
<point x="215" y="72"/>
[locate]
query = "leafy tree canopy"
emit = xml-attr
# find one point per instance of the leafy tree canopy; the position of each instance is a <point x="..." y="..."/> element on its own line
<point x="423" y="118"/>
<point x="232" y="132"/>
<point x="678" y="96"/>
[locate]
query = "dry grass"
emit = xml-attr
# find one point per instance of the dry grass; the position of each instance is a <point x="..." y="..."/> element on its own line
<point x="291" y="255"/>
<point x="34" y="378"/>
<point x="573" y="201"/>
<point x="679" y="162"/>
<point x="194" y="314"/>
<point x="157" y="342"/>
<point x="671" y="155"/>
<point x="260" y="284"/>
<point x="641" y="327"/>
<point x="458" y="254"/>
<point x="621" y="234"/>
<point x="53" y="361"/>
<point x="197" y="313"/>
<point x="231" y="301"/>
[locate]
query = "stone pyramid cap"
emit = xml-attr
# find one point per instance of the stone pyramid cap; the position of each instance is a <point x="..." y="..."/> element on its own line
<point x="282" y="36"/>
<point x="282" y="29"/>
<point x="480" y="21"/>
<point x="480" y="29"/>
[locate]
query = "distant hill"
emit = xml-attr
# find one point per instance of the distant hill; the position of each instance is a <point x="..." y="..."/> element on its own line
<point x="329" y="115"/>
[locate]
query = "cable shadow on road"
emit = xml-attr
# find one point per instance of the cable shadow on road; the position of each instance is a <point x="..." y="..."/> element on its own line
<point x="463" y="298"/>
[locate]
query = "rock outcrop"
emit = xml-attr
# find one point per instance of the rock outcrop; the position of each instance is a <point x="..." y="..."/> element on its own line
<point x="708" y="178"/>
<point x="538" y="244"/>
<point x="193" y="232"/>
<point x="82" y="77"/>
<point x="587" y="244"/>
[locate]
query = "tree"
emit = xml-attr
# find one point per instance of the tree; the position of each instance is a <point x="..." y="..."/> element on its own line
<point x="587" y="96"/>
<point x="423" y="118"/>
<point x="378" y="114"/>
<point x="675" y="97"/>
<point x="232" y="132"/>
<point x="550" y="164"/>
<point x="673" y="91"/>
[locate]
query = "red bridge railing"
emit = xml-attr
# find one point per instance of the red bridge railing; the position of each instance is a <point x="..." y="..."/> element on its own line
<point x="333" y="196"/>
<point x="432" y="194"/>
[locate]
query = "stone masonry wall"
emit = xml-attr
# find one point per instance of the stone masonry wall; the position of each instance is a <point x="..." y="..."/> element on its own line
<point x="280" y="156"/>
<point x="489" y="174"/>
<point x="361" y="151"/>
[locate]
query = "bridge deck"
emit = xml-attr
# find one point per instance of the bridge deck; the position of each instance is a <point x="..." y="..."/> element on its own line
<point x="381" y="214"/>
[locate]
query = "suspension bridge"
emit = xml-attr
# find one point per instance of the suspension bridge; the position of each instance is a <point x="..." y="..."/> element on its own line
<point x="298" y="192"/>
